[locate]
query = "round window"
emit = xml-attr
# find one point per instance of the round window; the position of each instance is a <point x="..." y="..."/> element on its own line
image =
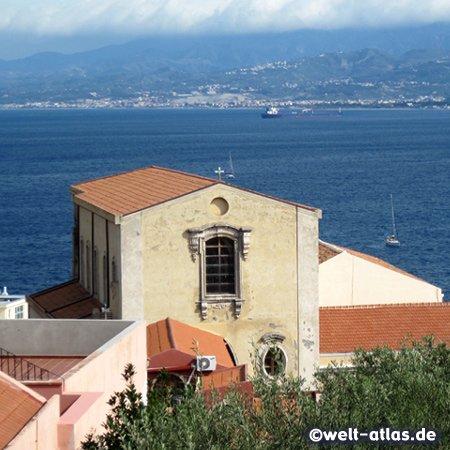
<point x="274" y="361"/>
<point x="219" y="206"/>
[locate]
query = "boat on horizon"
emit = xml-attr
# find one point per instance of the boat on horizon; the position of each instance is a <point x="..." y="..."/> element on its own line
<point x="274" y="113"/>
<point x="230" y="173"/>
<point x="392" y="240"/>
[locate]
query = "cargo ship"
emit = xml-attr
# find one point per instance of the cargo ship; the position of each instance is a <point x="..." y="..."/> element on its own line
<point x="273" y="113"/>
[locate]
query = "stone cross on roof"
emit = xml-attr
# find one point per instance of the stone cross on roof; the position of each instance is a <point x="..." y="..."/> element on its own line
<point x="219" y="171"/>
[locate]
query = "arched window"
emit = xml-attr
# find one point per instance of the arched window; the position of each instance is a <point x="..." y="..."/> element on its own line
<point x="273" y="359"/>
<point x="274" y="362"/>
<point x="220" y="266"/>
<point x="222" y="249"/>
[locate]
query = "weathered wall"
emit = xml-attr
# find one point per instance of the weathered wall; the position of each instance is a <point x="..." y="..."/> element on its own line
<point x="272" y="283"/>
<point x="104" y="238"/>
<point x="133" y="274"/>
<point x="308" y="293"/>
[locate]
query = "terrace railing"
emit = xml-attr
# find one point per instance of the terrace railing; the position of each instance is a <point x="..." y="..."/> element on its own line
<point x="22" y="370"/>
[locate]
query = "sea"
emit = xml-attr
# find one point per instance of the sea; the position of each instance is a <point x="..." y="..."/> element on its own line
<point x="348" y="167"/>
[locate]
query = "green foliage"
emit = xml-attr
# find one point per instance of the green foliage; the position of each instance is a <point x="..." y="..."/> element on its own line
<point x="408" y="389"/>
<point x="405" y="390"/>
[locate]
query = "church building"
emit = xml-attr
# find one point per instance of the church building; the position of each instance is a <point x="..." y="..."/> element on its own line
<point x="154" y="243"/>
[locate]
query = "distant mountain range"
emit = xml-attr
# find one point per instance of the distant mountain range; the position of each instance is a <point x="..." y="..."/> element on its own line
<point x="333" y="65"/>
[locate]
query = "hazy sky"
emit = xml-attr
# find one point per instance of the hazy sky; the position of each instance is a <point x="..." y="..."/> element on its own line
<point x="28" y="26"/>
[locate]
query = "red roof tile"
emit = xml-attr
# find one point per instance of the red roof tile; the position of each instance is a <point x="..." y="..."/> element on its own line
<point x="170" y="334"/>
<point x="18" y="406"/>
<point x="327" y="252"/>
<point x="133" y="191"/>
<point x="69" y="300"/>
<point x="344" y="328"/>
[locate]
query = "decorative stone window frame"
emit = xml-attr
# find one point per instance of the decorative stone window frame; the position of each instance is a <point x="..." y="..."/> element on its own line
<point x="241" y="239"/>
<point x="269" y="341"/>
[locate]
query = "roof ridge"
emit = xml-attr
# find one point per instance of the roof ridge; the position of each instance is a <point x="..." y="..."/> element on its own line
<point x="385" y="305"/>
<point x="171" y="334"/>
<point x="201" y="177"/>
<point x="162" y="169"/>
<point x="335" y="247"/>
<point x="83" y="187"/>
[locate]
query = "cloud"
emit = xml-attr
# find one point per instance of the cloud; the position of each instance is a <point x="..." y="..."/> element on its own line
<point x="149" y="17"/>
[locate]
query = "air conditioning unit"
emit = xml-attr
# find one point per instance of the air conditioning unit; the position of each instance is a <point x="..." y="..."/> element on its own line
<point x="205" y="363"/>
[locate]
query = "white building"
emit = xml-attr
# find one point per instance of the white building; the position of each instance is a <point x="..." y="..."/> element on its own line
<point x="13" y="306"/>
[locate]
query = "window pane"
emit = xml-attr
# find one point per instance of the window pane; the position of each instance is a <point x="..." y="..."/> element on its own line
<point x="19" y="312"/>
<point x="212" y="251"/>
<point x="274" y="362"/>
<point x="220" y="278"/>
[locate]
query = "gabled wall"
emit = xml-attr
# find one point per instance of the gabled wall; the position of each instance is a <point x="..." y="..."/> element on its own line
<point x="346" y="279"/>
<point x="158" y="277"/>
<point x="279" y="277"/>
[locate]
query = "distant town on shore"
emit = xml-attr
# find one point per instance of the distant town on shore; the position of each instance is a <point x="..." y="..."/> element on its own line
<point x="356" y="79"/>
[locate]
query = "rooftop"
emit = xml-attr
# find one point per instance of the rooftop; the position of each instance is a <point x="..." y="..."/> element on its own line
<point x="169" y="334"/>
<point x="133" y="191"/>
<point x="54" y="339"/>
<point x="8" y="298"/>
<point x="345" y="328"/>
<point x="69" y="300"/>
<point x="19" y="405"/>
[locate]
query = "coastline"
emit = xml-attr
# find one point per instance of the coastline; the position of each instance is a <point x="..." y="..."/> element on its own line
<point x="123" y="106"/>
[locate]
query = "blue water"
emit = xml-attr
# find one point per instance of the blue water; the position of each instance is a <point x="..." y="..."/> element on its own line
<point x="347" y="167"/>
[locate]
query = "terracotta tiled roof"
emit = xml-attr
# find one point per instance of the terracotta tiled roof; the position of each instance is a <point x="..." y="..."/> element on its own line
<point x="133" y="191"/>
<point x="344" y="328"/>
<point x="18" y="406"/>
<point x="69" y="300"/>
<point x="327" y="252"/>
<point x="169" y="334"/>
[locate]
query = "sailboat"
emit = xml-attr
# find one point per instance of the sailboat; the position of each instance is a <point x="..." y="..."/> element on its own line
<point x="230" y="173"/>
<point x="392" y="241"/>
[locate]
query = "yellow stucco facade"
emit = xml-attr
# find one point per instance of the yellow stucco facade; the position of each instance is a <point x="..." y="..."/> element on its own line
<point x="151" y="264"/>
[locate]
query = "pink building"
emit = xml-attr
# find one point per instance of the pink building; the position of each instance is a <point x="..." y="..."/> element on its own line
<point x="57" y="376"/>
